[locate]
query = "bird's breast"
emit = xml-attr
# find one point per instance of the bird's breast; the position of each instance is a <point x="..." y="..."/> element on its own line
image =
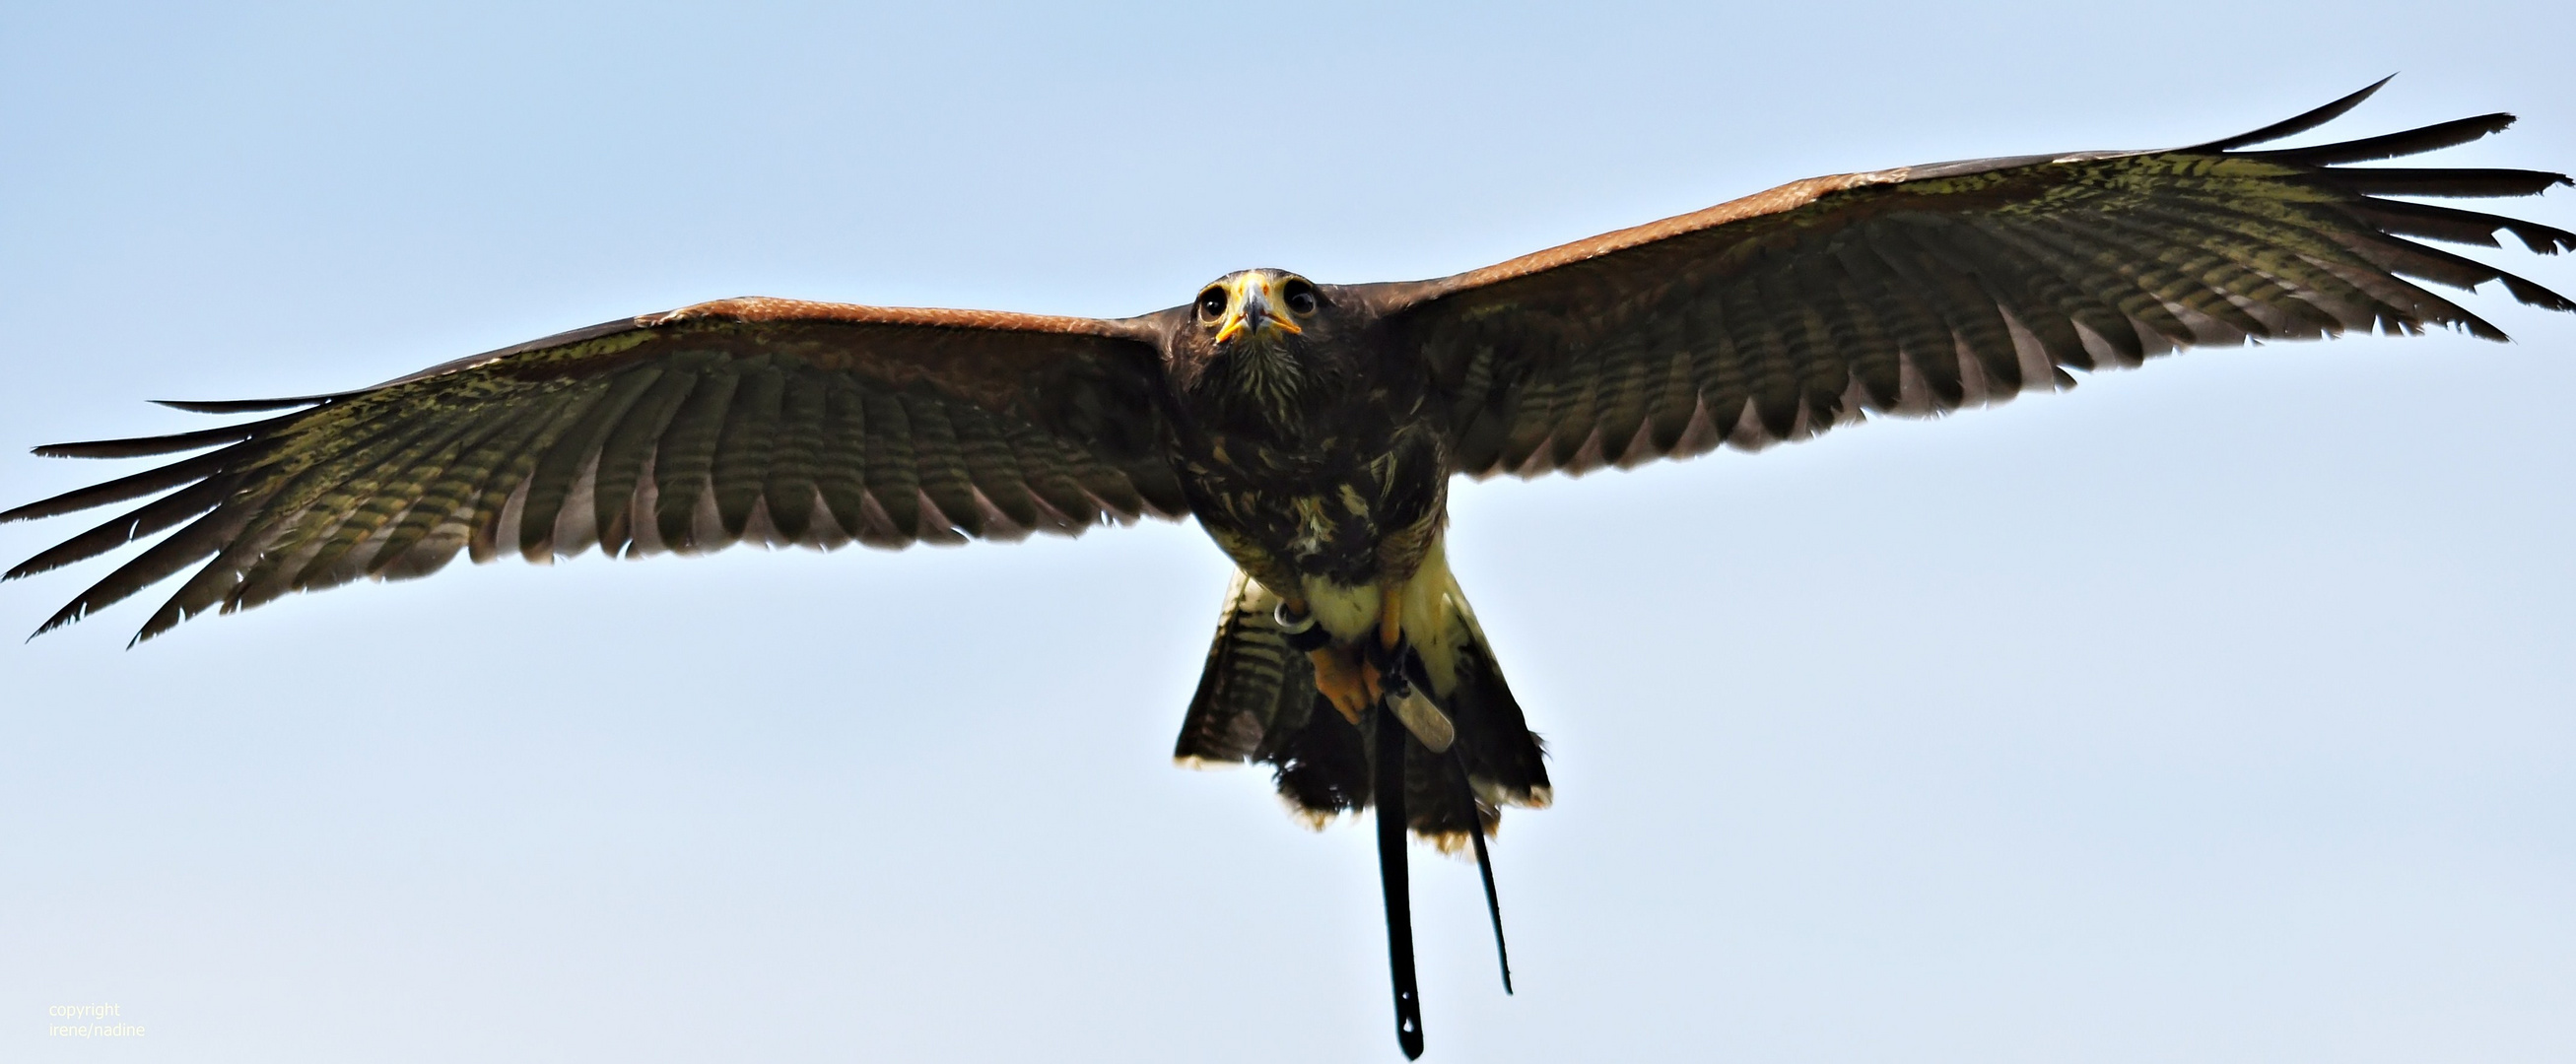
<point x="1327" y="507"/>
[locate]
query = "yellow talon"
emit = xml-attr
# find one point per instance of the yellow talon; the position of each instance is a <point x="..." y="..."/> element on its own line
<point x="1345" y="675"/>
<point x="1351" y="690"/>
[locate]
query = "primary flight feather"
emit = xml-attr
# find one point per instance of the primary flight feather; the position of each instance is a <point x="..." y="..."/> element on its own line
<point x="1312" y="428"/>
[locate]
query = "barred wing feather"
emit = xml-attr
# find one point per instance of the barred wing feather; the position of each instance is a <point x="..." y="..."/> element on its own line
<point x="1925" y="289"/>
<point x="776" y="421"/>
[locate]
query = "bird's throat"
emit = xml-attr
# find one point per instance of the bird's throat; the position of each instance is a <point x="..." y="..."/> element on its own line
<point x="1264" y="383"/>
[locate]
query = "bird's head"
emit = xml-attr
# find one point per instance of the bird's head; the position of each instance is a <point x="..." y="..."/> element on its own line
<point x="1264" y="342"/>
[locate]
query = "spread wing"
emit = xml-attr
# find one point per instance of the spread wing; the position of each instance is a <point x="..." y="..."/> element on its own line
<point x="770" y="420"/>
<point x="1928" y="288"/>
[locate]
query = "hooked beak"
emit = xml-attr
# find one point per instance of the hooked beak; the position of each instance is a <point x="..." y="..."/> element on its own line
<point x="1256" y="302"/>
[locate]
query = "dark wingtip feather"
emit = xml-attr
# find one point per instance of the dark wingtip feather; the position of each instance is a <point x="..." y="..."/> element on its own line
<point x="160" y="625"/>
<point x="2542" y="239"/>
<point x="143" y="521"/>
<point x="2447" y="268"/>
<point x="2438" y="222"/>
<point x="2441" y="181"/>
<point x="123" y="488"/>
<point x="2295" y="125"/>
<point x="2460" y="318"/>
<point x="139" y="446"/>
<point x="71" y="611"/>
<point x="146" y="446"/>
<point x="2534" y="294"/>
<point x="244" y="406"/>
<point x="2434" y="137"/>
<point x="203" y="538"/>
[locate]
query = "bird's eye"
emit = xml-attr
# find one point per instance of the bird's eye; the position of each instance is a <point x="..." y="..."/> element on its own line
<point x="1212" y="304"/>
<point x="1300" y="297"/>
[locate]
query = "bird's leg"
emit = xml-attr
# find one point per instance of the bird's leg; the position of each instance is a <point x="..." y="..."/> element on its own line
<point x="1338" y="675"/>
<point x="1390" y="634"/>
<point x="1342" y="681"/>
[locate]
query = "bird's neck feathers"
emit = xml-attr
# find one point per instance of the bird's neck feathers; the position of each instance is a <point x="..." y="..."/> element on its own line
<point x="1267" y="386"/>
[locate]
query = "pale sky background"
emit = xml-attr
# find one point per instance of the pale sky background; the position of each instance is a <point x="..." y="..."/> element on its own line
<point x="2218" y="711"/>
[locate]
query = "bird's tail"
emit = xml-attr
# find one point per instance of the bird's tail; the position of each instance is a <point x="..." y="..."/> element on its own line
<point x="1257" y="702"/>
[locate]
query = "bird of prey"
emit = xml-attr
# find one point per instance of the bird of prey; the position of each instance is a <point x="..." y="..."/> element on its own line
<point x="1312" y="428"/>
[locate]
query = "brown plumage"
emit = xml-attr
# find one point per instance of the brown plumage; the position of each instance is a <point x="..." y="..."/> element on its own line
<point x="1312" y="429"/>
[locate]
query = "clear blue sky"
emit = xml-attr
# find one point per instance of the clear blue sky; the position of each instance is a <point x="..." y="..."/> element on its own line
<point x="2218" y="711"/>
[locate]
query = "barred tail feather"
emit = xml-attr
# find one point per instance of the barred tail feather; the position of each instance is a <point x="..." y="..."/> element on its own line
<point x="1257" y="703"/>
<point x="1503" y="761"/>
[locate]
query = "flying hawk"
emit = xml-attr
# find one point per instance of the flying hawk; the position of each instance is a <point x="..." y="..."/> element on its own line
<point x="1313" y="429"/>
